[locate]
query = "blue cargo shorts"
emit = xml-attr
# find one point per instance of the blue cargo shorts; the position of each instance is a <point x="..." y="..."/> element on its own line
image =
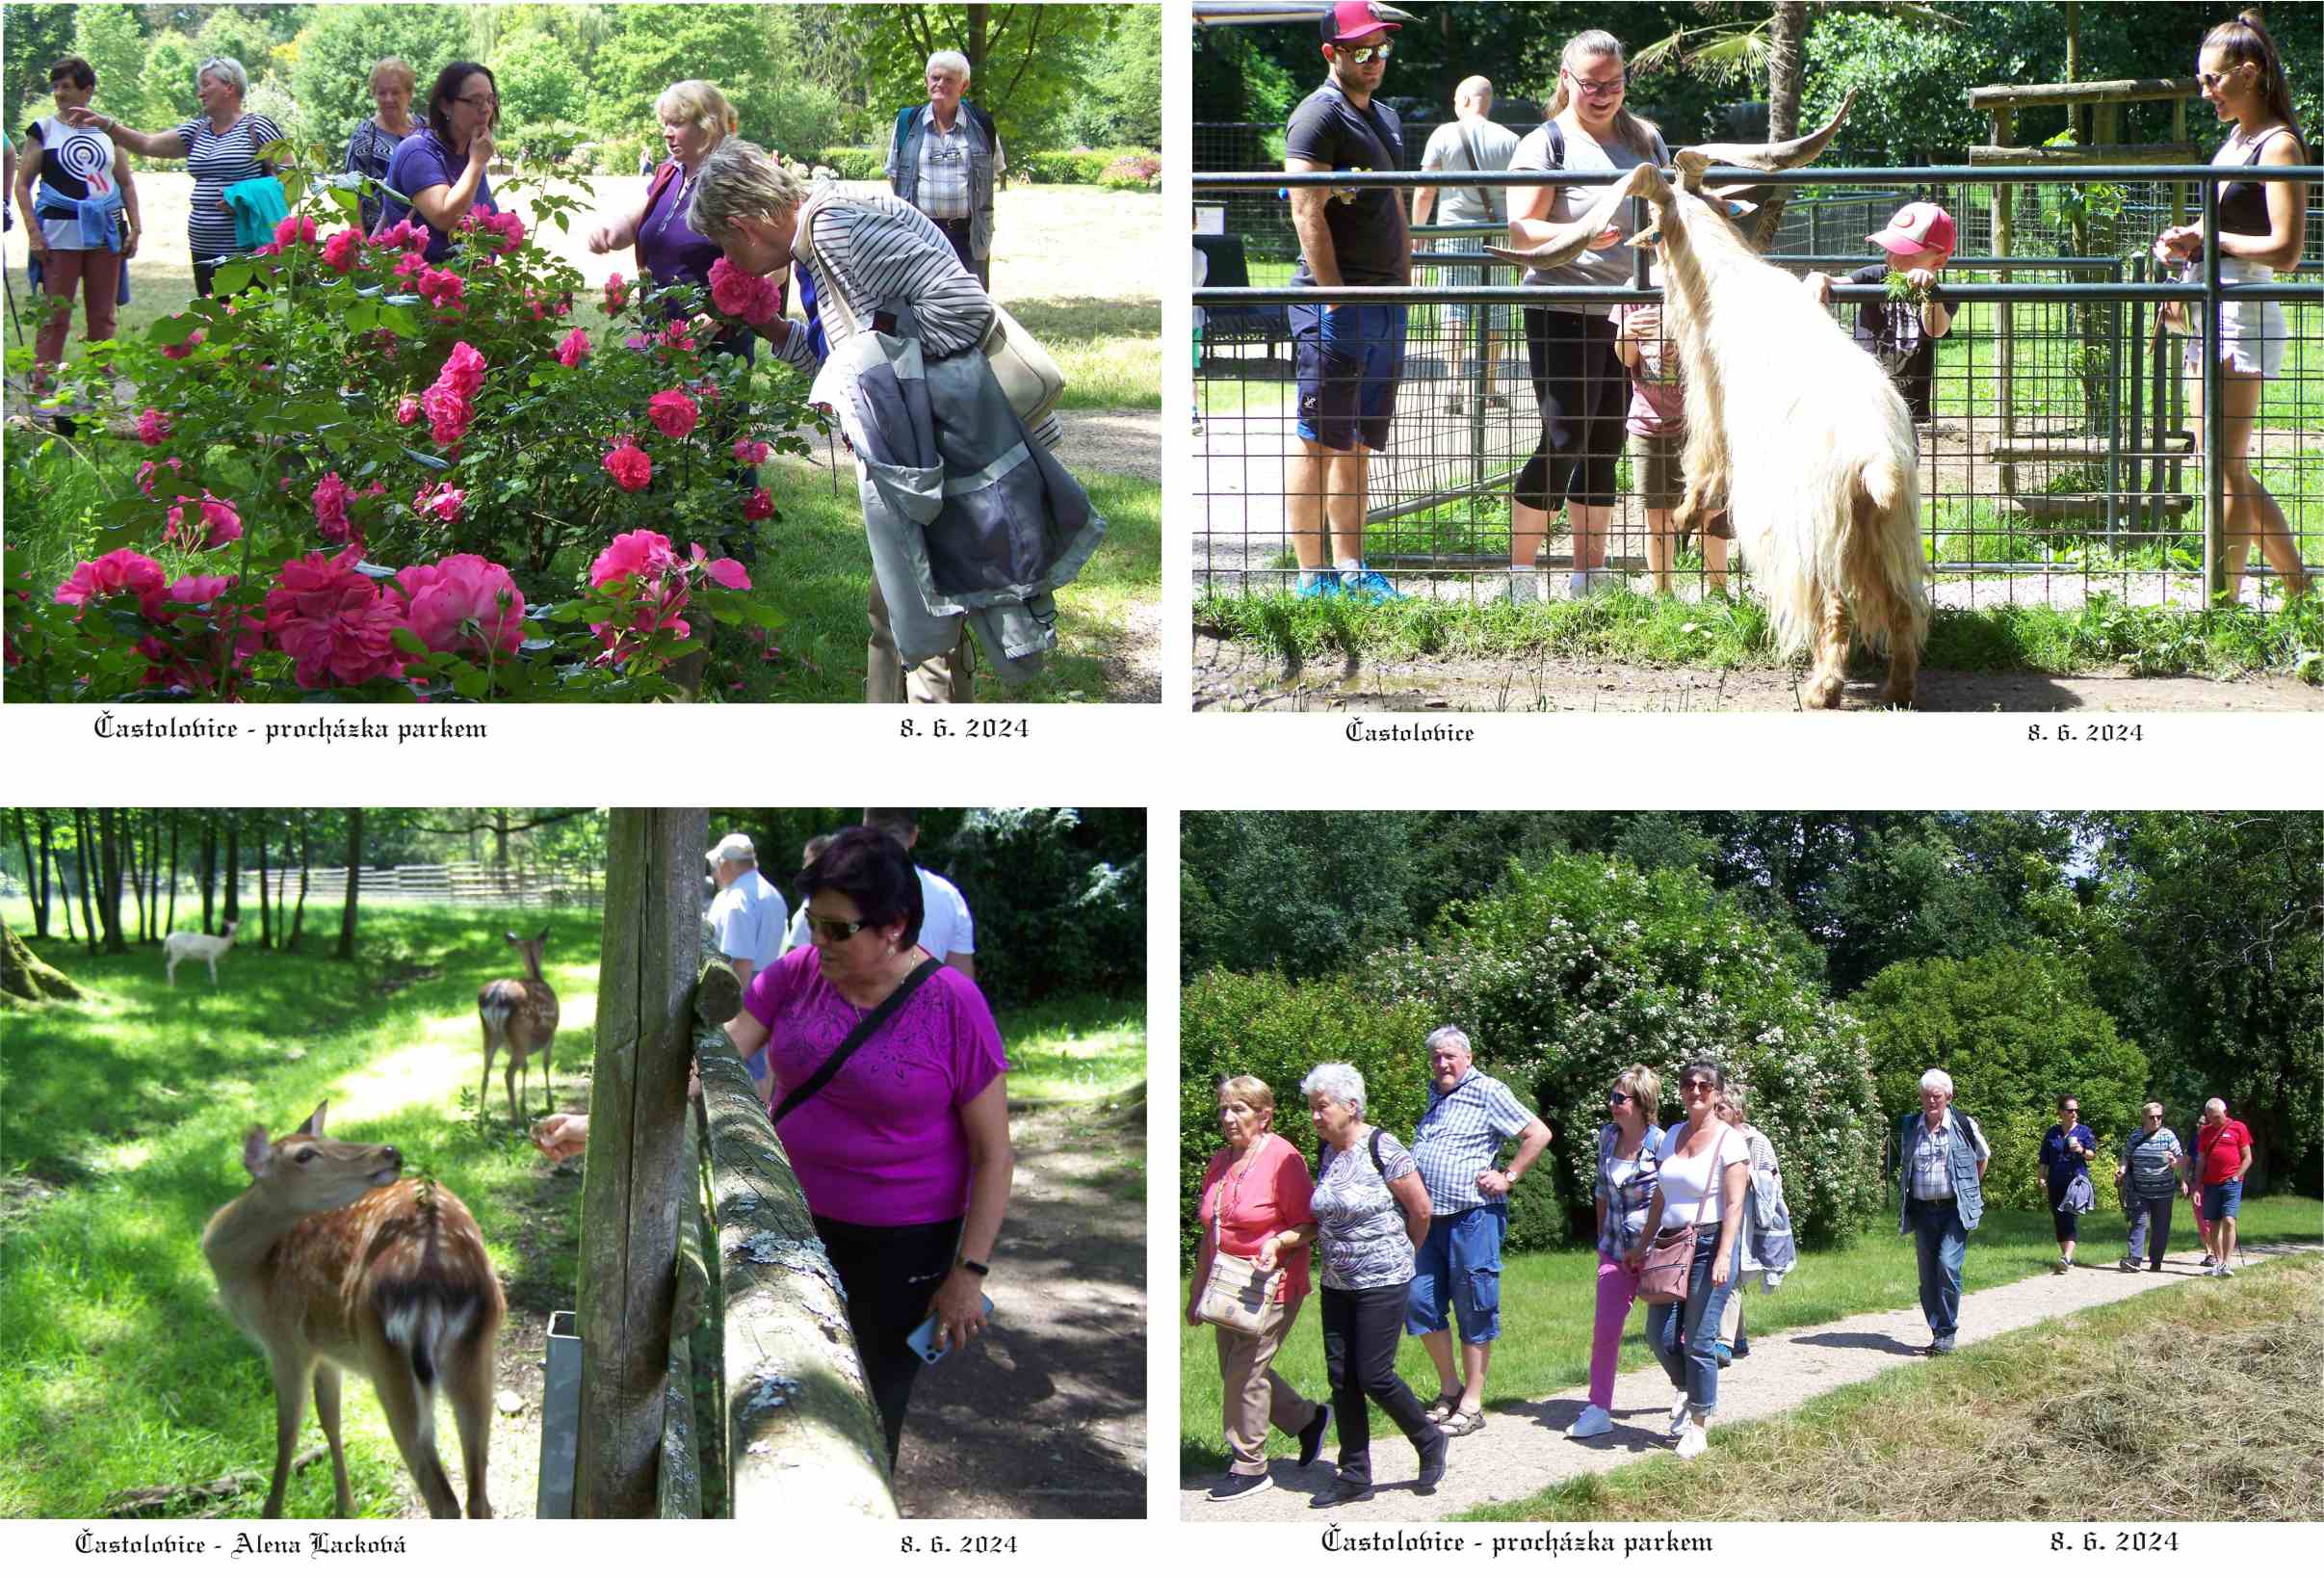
<point x="1457" y="1267"/>
<point x="1349" y="361"/>
<point x="2222" y="1201"/>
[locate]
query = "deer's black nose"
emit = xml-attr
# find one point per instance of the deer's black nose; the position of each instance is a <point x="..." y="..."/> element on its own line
<point x="395" y="1157"/>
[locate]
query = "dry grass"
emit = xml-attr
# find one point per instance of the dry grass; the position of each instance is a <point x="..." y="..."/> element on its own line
<point x="2195" y="1402"/>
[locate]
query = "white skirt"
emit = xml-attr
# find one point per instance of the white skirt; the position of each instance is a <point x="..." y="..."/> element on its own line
<point x="2251" y="335"/>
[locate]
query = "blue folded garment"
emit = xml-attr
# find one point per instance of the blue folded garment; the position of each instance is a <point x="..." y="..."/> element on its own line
<point x="95" y="215"/>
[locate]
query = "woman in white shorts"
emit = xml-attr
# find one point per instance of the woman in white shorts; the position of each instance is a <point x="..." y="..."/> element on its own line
<point x="2259" y="233"/>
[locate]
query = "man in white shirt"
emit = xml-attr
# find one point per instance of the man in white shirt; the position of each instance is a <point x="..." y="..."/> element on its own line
<point x="947" y="929"/>
<point x="747" y="917"/>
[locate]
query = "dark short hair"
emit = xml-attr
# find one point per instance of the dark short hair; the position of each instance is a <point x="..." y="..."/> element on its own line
<point x="899" y="822"/>
<point x="873" y="869"/>
<point x="447" y="88"/>
<point x="82" y="73"/>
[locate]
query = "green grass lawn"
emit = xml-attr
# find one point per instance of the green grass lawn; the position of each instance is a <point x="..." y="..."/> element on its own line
<point x="116" y="1367"/>
<point x="2068" y="1405"/>
<point x="814" y="560"/>
<point x="1080" y="1048"/>
<point x="1549" y="1300"/>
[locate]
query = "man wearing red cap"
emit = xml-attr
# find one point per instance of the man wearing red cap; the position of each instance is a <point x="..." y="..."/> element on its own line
<point x="1349" y="358"/>
<point x="1918" y="242"/>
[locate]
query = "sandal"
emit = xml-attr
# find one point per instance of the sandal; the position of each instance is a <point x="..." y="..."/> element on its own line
<point x="1442" y="1409"/>
<point x="1460" y="1423"/>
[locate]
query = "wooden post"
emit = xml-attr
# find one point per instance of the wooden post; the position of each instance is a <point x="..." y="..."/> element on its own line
<point x="800" y="1427"/>
<point x="635" y="1189"/>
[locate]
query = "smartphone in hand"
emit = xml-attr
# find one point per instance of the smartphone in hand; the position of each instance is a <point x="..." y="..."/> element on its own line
<point x="922" y="1340"/>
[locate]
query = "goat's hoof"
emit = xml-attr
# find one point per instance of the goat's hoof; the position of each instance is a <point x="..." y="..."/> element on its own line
<point x="1893" y="697"/>
<point x="1823" y="695"/>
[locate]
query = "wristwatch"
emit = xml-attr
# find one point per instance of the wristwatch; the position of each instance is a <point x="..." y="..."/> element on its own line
<point x="976" y="1266"/>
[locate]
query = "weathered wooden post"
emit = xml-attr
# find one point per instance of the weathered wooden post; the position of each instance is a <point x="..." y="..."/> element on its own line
<point x="637" y="1188"/>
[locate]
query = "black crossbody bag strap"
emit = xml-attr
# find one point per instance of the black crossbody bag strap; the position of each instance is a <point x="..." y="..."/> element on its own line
<point x="865" y="1029"/>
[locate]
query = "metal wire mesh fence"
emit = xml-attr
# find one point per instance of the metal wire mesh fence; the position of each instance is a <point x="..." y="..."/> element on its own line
<point x="2060" y="447"/>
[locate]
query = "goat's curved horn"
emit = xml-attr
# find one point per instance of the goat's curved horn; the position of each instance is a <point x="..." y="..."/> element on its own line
<point x="1767" y="156"/>
<point x="1572" y="239"/>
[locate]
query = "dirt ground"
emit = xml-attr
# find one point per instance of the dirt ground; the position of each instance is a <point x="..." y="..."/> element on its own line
<point x="1231" y="676"/>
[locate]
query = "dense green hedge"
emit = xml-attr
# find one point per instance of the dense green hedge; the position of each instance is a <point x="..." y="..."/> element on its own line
<point x="1059" y="896"/>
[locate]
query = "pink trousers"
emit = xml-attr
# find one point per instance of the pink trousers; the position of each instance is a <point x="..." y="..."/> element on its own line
<point x="1617" y="1291"/>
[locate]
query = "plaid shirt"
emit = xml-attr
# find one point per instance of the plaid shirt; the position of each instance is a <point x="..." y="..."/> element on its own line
<point x="1932" y="1166"/>
<point x="1458" y="1136"/>
<point x="944" y="158"/>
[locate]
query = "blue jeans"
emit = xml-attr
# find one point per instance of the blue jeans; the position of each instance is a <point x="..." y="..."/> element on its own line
<point x="2143" y="1210"/>
<point x="1457" y="1270"/>
<point x="1686" y="1336"/>
<point x="1944" y="1246"/>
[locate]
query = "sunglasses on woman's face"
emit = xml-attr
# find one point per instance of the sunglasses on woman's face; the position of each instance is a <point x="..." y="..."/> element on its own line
<point x="2212" y="79"/>
<point x="828" y="929"/>
<point x="1693" y="1085"/>
<point x="1617" y="1098"/>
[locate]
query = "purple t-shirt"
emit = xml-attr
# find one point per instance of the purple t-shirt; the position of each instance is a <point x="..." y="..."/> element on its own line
<point x="422" y="160"/>
<point x="882" y="1145"/>
<point x="675" y="252"/>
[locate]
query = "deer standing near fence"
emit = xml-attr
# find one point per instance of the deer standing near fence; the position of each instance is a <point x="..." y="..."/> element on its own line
<point x="1798" y="428"/>
<point x="522" y="1016"/>
<point x="180" y="946"/>
<point x="330" y="1263"/>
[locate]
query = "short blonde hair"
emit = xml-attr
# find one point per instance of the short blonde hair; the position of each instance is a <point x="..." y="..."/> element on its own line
<point x="739" y="180"/>
<point x="1645" y="1088"/>
<point x="1250" y="1090"/>
<point x="395" y="69"/>
<point x="699" y="104"/>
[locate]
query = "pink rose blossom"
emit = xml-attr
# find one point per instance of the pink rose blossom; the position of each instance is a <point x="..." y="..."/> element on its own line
<point x="173" y="524"/>
<point x="441" y="500"/>
<point x="731" y="290"/>
<point x="573" y="348"/>
<point x="449" y="413"/>
<point x="616" y="293"/>
<point x="441" y="287"/>
<point x="640" y="553"/>
<point x="674" y="337"/>
<point x="219" y="525"/>
<point x="407" y="410"/>
<point x="343" y="250"/>
<point x="636" y="342"/>
<point x="411" y="265"/>
<point x="331" y="620"/>
<point x="632" y="469"/>
<point x="144" y="477"/>
<point x="751" y="450"/>
<point x="185" y="346"/>
<point x="294" y="229"/>
<point x="152" y="427"/>
<point x="194" y="590"/>
<point x="673" y="413"/>
<point x="463" y="370"/>
<point x="509" y="227"/>
<point x="402" y="233"/>
<point x="758" y="505"/>
<point x="329" y="499"/>
<point x="727" y="573"/>
<point x="124" y="570"/>
<point x="465" y="601"/>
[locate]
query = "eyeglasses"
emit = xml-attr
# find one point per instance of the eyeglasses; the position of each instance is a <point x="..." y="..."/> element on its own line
<point x="2071" y="1112"/>
<point x="479" y="102"/>
<point x="1617" y="1098"/>
<point x="2212" y="79"/>
<point x="1597" y="88"/>
<point x="829" y="930"/>
<point x="1364" y="56"/>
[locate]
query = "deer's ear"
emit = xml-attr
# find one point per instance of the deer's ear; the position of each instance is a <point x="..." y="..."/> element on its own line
<point x="256" y="1148"/>
<point x="314" y="1120"/>
<point x="513" y="938"/>
<point x="545" y="935"/>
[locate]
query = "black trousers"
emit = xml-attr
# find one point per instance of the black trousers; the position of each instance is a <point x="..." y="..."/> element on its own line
<point x="890" y="1275"/>
<point x="960" y="233"/>
<point x="1360" y="1334"/>
<point x="1583" y="392"/>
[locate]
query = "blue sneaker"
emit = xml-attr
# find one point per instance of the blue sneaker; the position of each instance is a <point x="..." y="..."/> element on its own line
<point x="1320" y="582"/>
<point x="1363" y="582"/>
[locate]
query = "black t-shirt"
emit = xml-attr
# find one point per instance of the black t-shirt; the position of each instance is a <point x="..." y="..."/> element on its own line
<point x="1894" y="333"/>
<point x="1368" y="232"/>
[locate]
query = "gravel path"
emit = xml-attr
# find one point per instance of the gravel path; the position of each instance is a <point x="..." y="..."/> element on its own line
<point x="1522" y="1448"/>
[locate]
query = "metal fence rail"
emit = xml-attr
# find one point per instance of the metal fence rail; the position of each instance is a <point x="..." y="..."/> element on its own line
<point x="2059" y="461"/>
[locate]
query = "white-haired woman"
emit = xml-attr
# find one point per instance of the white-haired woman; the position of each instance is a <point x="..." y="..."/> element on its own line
<point x="2261" y="229"/>
<point x="944" y="159"/>
<point x="222" y="148"/>
<point x="1941" y="1159"/>
<point x="1371" y="1212"/>
<point x="375" y="142"/>
<point x="1255" y="1196"/>
<point x="1578" y="378"/>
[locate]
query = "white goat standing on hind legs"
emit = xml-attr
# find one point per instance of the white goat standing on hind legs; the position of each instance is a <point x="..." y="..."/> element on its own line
<point x="1794" y="427"/>
<point x="180" y="946"/>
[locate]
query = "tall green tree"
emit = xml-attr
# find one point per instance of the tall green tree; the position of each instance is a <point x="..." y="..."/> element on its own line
<point x="649" y="48"/>
<point x="37" y="37"/>
<point x="1025" y="60"/>
<point x="340" y="45"/>
<point x="111" y="41"/>
<point x="167" y="79"/>
<point x="538" y="78"/>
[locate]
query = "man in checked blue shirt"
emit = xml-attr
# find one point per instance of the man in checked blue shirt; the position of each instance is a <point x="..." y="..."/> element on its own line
<point x="1470" y="1117"/>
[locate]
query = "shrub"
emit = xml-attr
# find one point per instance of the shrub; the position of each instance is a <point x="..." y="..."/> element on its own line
<point x="1135" y="173"/>
<point x="1573" y="970"/>
<point x="1068" y="890"/>
<point x="1071" y="167"/>
<point x="851" y="164"/>
<point x="1278" y="1030"/>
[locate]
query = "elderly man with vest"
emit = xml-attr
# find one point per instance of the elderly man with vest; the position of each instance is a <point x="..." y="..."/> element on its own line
<point x="944" y="159"/>
<point x="1941" y="1172"/>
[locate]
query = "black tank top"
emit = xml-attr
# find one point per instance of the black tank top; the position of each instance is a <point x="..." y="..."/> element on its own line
<point x="2243" y="204"/>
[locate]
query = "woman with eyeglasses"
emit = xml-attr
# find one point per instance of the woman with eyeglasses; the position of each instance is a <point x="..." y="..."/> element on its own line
<point x="1627" y="1169"/>
<point x="901" y="1146"/>
<point x="1578" y="377"/>
<point x="441" y="167"/>
<point x="1699" y="1188"/>
<point x="2261" y="229"/>
<point x="2064" y="1163"/>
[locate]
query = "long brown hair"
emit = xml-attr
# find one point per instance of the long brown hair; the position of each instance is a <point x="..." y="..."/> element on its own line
<point x="2245" y="40"/>
<point x="1636" y="134"/>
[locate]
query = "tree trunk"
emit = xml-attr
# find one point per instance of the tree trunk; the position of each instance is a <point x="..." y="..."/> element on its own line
<point x="1786" y="53"/>
<point x="170" y="925"/>
<point x="153" y="871"/>
<point x="109" y="879"/>
<point x="32" y="876"/>
<point x="41" y="904"/>
<point x="305" y="865"/>
<point x="24" y="977"/>
<point x="266" y="913"/>
<point x="233" y="882"/>
<point x="209" y="869"/>
<point x="355" y="883"/>
<point x="133" y="870"/>
<point x="84" y="840"/>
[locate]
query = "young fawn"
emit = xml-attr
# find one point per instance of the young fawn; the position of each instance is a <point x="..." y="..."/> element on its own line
<point x="180" y="946"/>
<point x="522" y="1016"/>
<point x="329" y="1263"/>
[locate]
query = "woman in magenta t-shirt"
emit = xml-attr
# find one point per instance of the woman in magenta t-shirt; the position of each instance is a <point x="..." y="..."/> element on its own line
<point x="903" y="1153"/>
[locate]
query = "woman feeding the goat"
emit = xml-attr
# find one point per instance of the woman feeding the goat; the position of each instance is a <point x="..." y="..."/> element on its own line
<point x="1578" y="378"/>
<point x="2259" y="233"/>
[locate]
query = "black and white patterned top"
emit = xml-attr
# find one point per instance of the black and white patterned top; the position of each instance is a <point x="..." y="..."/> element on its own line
<point x="218" y="162"/>
<point x="368" y="151"/>
<point x="1361" y="1240"/>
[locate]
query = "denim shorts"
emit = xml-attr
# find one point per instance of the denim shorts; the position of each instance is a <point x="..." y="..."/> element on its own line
<point x="1457" y="1270"/>
<point x="1349" y="361"/>
<point x="2221" y="1200"/>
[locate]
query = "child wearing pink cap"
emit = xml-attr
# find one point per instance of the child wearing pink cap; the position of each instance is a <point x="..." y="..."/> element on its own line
<point x="1918" y="242"/>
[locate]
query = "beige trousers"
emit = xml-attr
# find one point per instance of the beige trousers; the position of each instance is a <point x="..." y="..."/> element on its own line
<point x="1255" y="1396"/>
<point x="948" y="677"/>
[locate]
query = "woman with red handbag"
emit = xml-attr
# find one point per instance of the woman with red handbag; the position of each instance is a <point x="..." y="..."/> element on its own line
<point x="1686" y="1271"/>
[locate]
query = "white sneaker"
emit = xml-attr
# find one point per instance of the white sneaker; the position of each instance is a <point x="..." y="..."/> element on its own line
<point x="1678" y="1414"/>
<point x="1525" y="587"/>
<point x="1692" y="1440"/>
<point x="1594" y="1421"/>
<point x="2226" y="1271"/>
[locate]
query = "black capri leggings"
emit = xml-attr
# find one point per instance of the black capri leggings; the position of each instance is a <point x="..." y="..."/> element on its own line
<point x="1583" y="392"/>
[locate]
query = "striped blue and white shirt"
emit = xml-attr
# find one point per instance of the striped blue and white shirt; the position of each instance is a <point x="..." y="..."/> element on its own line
<point x="1459" y="1135"/>
<point x="216" y="163"/>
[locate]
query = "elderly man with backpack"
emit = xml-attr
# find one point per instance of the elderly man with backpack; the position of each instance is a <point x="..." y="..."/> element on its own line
<point x="944" y="159"/>
<point x="1941" y="1160"/>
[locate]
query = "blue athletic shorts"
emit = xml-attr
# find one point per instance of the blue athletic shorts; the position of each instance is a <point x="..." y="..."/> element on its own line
<point x="2221" y="1200"/>
<point x="1349" y="361"/>
<point x="1457" y="1267"/>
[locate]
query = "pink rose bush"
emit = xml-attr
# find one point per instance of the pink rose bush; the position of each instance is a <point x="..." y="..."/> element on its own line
<point x="645" y="585"/>
<point x="755" y="299"/>
<point x="152" y="428"/>
<point x="631" y="467"/>
<point x="463" y="603"/>
<point x="574" y="348"/>
<point x="673" y="413"/>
